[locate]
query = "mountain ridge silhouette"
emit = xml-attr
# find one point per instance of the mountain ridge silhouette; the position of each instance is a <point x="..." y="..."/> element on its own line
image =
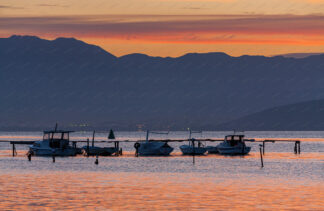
<point x="74" y="83"/>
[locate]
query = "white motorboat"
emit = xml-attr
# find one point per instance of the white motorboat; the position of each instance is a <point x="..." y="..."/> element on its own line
<point x="154" y="148"/>
<point x="233" y="145"/>
<point x="54" y="143"/>
<point x="191" y="149"/>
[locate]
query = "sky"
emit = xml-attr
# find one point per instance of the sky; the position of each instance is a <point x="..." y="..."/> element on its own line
<point x="173" y="27"/>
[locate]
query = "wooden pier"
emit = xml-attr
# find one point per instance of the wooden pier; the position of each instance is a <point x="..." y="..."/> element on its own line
<point x="117" y="142"/>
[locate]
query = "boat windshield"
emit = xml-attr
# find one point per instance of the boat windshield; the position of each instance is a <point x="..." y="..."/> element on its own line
<point x="46" y="136"/>
<point x="234" y="139"/>
<point x="56" y="135"/>
<point x="59" y="140"/>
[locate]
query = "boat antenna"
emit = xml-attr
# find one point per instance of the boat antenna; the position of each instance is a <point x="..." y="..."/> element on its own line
<point x="147" y="135"/>
<point x="191" y="132"/>
<point x="93" y="136"/>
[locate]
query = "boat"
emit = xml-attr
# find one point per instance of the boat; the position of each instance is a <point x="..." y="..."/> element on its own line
<point x="100" y="151"/>
<point x="191" y="149"/>
<point x="233" y="145"/>
<point x="212" y="150"/>
<point x="153" y="148"/>
<point x="54" y="143"/>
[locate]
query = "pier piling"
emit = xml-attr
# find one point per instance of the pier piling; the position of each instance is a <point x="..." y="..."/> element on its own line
<point x="193" y="148"/>
<point x="14" y="152"/>
<point x="53" y="157"/>
<point x="87" y="147"/>
<point x="261" y="156"/>
<point x="297" y="147"/>
<point x="29" y="156"/>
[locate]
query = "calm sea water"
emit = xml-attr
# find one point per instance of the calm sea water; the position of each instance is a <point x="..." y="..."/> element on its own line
<point x="214" y="182"/>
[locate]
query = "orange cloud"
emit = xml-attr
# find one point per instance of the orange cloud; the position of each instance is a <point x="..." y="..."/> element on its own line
<point x="127" y="26"/>
<point x="293" y="30"/>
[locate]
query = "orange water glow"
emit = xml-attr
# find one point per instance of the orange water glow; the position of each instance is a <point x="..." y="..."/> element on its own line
<point x="136" y="191"/>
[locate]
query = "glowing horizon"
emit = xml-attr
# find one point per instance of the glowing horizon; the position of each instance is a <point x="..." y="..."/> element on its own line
<point x="173" y="28"/>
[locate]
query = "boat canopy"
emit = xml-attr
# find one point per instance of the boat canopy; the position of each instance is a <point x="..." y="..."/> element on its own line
<point x="57" y="135"/>
<point x="234" y="139"/>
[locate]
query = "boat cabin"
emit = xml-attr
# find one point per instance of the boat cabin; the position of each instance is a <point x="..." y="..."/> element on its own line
<point x="57" y="138"/>
<point x="234" y="140"/>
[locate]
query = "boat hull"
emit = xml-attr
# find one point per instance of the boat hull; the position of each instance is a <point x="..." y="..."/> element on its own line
<point x="212" y="150"/>
<point x="189" y="150"/>
<point x="154" y="149"/>
<point x="101" y="151"/>
<point x="234" y="150"/>
<point x="52" y="152"/>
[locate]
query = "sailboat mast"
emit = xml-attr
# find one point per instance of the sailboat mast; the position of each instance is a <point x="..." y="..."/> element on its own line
<point x="147" y="135"/>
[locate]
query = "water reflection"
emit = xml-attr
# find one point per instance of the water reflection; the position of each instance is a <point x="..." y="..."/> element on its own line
<point x="67" y="190"/>
<point x="215" y="182"/>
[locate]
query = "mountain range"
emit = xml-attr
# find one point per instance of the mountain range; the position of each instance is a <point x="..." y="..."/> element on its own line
<point x="82" y="86"/>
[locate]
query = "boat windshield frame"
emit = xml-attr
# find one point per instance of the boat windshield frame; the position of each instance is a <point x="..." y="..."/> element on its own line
<point x="234" y="139"/>
<point x="57" y="135"/>
<point x="57" y="138"/>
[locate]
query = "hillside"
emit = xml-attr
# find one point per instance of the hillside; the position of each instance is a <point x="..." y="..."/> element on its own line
<point x="76" y="84"/>
<point x="300" y="116"/>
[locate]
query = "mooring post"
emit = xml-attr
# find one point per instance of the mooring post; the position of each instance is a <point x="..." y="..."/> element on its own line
<point x="118" y="150"/>
<point x="29" y="156"/>
<point x="87" y="147"/>
<point x="298" y="147"/>
<point x="97" y="160"/>
<point x="193" y="150"/>
<point x="53" y="157"/>
<point x="295" y="147"/>
<point x="13" y="150"/>
<point x="261" y="156"/>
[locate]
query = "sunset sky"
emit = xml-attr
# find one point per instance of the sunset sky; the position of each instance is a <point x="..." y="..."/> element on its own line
<point x="173" y="27"/>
